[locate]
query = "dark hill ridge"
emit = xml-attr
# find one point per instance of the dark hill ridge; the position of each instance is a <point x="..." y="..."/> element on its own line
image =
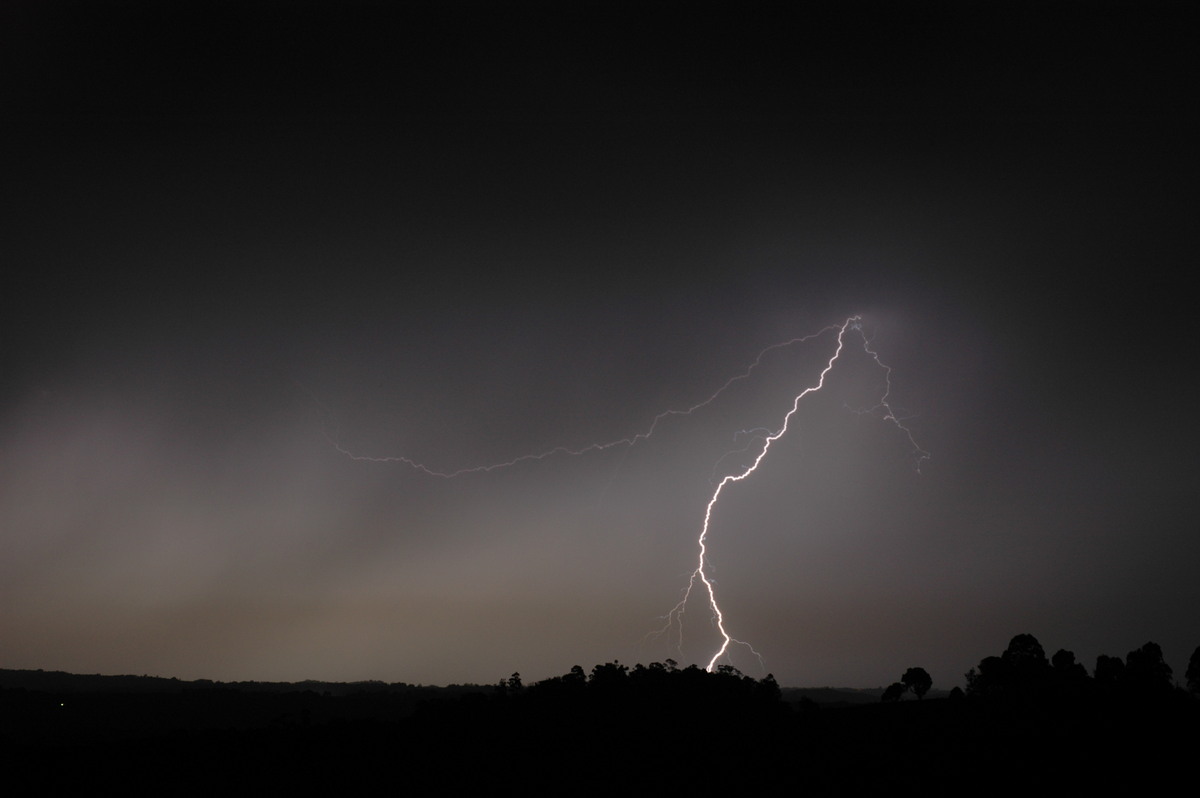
<point x="1021" y="721"/>
<point x="65" y="682"/>
<point x="62" y="681"/>
<point x="55" y="705"/>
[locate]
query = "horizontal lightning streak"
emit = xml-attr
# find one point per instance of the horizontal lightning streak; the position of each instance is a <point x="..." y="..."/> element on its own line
<point x="563" y="450"/>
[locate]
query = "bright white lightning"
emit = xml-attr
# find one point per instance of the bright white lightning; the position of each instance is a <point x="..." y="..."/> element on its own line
<point x="760" y="436"/>
<point x="675" y="615"/>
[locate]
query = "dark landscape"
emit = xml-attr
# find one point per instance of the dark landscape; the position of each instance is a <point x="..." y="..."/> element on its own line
<point x="388" y="380"/>
<point x="1023" y="720"/>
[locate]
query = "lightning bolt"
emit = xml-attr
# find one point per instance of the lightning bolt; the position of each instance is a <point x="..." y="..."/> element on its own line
<point x="700" y="574"/>
<point x="759" y="440"/>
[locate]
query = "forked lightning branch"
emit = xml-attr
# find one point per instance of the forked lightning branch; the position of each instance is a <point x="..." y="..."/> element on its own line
<point x="760" y="446"/>
<point x="674" y="618"/>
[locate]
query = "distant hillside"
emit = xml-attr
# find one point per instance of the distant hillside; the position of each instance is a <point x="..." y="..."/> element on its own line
<point x="61" y="681"/>
<point x="64" y="682"/>
<point x="663" y="729"/>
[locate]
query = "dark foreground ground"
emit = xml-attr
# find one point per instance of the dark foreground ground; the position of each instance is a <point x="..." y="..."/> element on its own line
<point x="648" y="731"/>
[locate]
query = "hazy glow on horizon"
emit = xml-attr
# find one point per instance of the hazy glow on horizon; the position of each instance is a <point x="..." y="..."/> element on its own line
<point x="240" y="247"/>
<point x="147" y="551"/>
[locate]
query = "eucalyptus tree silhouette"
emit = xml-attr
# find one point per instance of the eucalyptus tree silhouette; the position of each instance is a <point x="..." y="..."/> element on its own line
<point x="1109" y="671"/>
<point x="1022" y="668"/>
<point x="1026" y="654"/>
<point x="917" y="680"/>
<point x="1146" y="669"/>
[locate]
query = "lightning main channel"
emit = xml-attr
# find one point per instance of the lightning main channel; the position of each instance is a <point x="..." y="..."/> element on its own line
<point x="700" y="574"/>
<point x="761" y="436"/>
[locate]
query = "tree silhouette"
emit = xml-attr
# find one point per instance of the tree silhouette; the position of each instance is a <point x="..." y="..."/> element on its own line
<point x="1109" y="671"/>
<point x="1146" y="668"/>
<point x="576" y="678"/>
<point x="1067" y="673"/>
<point x="1193" y="672"/>
<point x="768" y="690"/>
<point x="1063" y="660"/>
<point x="893" y="692"/>
<point x="1025" y="654"/>
<point x="610" y="675"/>
<point x="917" y="680"/>
<point x="993" y="675"/>
<point x="1021" y="670"/>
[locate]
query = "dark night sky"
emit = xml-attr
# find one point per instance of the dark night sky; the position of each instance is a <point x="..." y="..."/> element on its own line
<point x="463" y="232"/>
